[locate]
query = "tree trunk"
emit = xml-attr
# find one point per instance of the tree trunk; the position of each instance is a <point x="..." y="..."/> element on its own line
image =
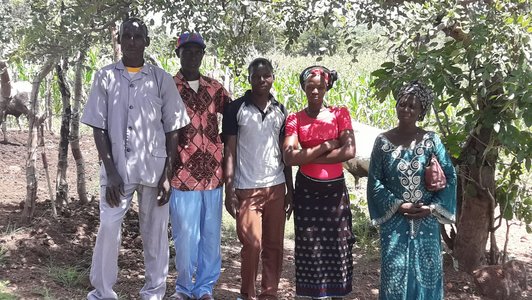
<point x="49" y="104"/>
<point x="45" y="167"/>
<point x="5" y="96"/>
<point x="114" y="42"/>
<point x="74" y="133"/>
<point x="34" y="121"/>
<point x="62" y="156"/>
<point x="475" y="213"/>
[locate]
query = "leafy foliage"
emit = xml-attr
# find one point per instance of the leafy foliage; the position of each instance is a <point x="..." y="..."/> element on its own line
<point x="477" y="57"/>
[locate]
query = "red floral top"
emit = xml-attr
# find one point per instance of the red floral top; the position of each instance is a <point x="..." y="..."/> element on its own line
<point x="200" y="148"/>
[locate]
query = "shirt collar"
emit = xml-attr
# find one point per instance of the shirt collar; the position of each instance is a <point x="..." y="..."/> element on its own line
<point x="120" y="66"/>
<point x="181" y="78"/>
<point x="248" y="100"/>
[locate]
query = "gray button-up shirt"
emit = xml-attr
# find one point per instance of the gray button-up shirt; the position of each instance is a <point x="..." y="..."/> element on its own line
<point x="136" y="111"/>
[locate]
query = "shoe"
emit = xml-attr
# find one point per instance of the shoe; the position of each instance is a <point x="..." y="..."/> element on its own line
<point x="206" y="297"/>
<point x="179" y="296"/>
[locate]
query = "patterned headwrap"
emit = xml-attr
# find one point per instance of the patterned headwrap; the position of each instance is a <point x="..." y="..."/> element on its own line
<point x="330" y="76"/>
<point x="421" y="92"/>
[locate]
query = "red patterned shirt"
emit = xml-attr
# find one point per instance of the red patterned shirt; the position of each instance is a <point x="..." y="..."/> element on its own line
<point x="200" y="146"/>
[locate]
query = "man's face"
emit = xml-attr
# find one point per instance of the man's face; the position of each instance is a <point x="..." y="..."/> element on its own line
<point x="190" y="56"/>
<point x="261" y="79"/>
<point x="133" y="40"/>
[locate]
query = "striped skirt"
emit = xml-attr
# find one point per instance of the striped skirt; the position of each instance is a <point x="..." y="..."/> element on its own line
<point x="323" y="237"/>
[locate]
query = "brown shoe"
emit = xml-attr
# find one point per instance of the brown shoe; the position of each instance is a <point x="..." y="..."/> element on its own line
<point x="206" y="297"/>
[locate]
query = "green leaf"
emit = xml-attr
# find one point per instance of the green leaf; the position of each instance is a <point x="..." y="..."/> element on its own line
<point x="402" y="58"/>
<point x="380" y="73"/>
<point x="388" y="65"/>
<point x="508" y="214"/>
<point x="464" y="111"/>
<point x="527" y="116"/>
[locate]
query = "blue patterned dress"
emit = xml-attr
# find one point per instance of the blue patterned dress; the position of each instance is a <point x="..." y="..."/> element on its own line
<point x="411" y="264"/>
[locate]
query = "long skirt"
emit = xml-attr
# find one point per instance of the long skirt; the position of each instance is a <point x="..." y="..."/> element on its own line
<point x="323" y="237"/>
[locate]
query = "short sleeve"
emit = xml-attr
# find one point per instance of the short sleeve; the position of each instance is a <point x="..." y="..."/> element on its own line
<point x="95" y="111"/>
<point x="174" y="113"/>
<point x="344" y="119"/>
<point x="222" y="99"/>
<point x="291" y="125"/>
<point x="229" y="121"/>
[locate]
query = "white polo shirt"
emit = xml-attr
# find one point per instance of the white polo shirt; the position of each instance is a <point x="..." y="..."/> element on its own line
<point x="259" y="135"/>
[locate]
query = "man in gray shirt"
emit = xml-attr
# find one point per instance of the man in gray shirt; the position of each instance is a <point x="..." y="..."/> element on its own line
<point x="135" y="111"/>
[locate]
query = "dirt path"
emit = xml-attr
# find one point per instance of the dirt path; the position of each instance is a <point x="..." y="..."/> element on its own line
<point x="50" y="259"/>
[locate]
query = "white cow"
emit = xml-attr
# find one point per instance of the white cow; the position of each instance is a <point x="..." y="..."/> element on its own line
<point x="365" y="136"/>
<point x="14" y="98"/>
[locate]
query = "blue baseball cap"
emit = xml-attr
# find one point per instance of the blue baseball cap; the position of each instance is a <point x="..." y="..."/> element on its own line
<point x="187" y="38"/>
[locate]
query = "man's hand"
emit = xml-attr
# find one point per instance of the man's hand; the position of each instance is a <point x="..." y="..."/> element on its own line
<point x="114" y="189"/>
<point x="231" y="202"/>
<point x="288" y="204"/>
<point x="164" y="190"/>
<point x="414" y="210"/>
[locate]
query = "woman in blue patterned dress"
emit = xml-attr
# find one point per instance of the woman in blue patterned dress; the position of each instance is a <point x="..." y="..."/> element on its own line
<point x="408" y="214"/>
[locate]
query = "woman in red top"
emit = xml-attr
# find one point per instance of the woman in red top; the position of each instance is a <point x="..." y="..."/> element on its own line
<point x="318" y="139"/>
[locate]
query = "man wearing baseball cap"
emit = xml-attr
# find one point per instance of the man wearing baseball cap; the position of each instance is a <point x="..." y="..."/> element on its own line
<point x="196" y="196"/>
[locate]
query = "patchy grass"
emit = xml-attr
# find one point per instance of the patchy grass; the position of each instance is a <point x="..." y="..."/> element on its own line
<point x="5" y="294"/>
<point x="3" y="256"/>
<point x="228" y="228"/>
<point x="45" y="293"/>
<point x="67" y="276"/>
<point x="11" y="229"/>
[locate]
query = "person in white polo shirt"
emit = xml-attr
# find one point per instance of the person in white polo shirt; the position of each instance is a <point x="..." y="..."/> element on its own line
<point x="258" y="188"/>
<point x="135" y="111"/>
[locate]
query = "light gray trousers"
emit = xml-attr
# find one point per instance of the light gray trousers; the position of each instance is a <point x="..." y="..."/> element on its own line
<point x="153" y="220"/>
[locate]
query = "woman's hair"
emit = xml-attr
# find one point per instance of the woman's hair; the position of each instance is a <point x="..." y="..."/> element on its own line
<point x="421" y="92"/>
<point x="330" y="75"/>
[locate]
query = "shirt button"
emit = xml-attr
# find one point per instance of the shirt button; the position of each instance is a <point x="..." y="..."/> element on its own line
<point x="131" y="107"/>
<point x="128" y="150"/>
<point x="131" y="85"/>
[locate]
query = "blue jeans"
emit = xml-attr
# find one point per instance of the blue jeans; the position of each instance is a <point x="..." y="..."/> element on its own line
<point x="196" y="218"/>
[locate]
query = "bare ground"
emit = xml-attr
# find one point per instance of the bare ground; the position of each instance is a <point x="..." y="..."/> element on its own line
<point x="50" y="258"/>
